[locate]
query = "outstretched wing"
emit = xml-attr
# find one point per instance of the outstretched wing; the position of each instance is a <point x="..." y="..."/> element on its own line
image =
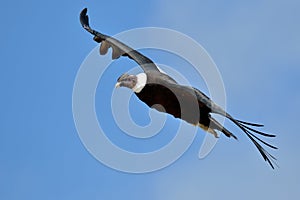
<point x="205" y="103"/>
<point x="118" y="48"/>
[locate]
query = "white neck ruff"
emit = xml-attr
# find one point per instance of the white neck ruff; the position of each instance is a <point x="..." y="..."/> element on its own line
<point x="141" y="82"/>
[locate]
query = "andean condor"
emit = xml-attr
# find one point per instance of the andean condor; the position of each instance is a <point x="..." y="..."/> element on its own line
<point x="163" y="93"/>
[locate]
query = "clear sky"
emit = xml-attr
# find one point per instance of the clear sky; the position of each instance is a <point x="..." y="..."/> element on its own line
<point x="256" y="46"/>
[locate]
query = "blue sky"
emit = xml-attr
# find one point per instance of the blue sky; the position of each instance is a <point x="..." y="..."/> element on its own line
<point x="256" y="46"/>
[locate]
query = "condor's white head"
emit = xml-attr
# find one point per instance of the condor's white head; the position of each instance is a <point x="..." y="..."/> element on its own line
<point x="134" y="82"/>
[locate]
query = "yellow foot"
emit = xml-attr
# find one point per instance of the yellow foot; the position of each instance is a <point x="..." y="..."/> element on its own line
<point x="207" y="129"/>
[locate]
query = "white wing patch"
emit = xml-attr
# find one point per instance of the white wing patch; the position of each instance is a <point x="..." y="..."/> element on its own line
<point x="116" y="52"/>
<point x="104" y="47"/>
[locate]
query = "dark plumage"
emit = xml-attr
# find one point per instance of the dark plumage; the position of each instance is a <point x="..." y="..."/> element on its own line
<point x="164" y="94"/>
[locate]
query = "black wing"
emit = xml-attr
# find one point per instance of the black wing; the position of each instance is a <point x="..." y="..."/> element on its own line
<point x="207" y="104"/>
<point x="118" y="48"/>
<point x="244" y="126"/>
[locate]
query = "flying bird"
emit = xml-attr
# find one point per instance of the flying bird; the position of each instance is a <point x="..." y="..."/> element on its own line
<point x="161" y="92"/>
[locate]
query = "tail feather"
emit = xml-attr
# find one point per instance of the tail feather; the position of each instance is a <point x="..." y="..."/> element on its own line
<point x="256" y="131"/>
<point x="228" y="133"/>
<point x="247" y="130"/>
<point x="214" y="124"/>
<point x="244" y="126"/>
<point x="251" y="124"/>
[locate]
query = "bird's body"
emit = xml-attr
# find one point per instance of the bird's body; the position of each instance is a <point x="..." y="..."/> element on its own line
<point x="161" y="92"/>
<point x="165" y="95"/>
<point x="154" y="95"/>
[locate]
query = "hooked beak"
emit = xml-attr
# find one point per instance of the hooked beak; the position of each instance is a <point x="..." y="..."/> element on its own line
<point x="118" y="84"/>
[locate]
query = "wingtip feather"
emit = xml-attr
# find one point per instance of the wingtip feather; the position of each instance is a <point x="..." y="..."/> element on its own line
<point x="84" y="18"/>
